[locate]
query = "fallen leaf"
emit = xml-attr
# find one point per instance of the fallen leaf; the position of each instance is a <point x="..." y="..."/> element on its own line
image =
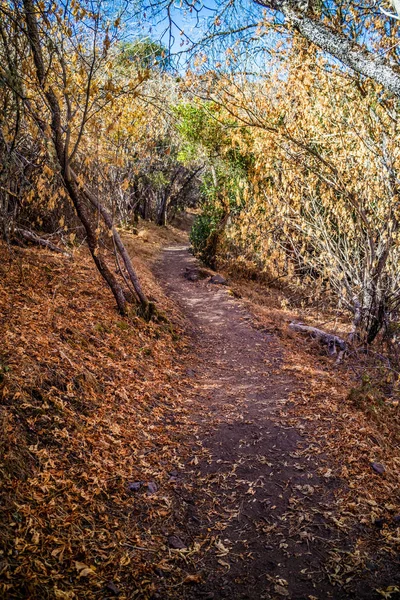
<point x="193" y="578"/>
<point x="84" y="570"/>
<point x="279" y="589"/>
<point x="62" y="595"/>
<point x="222" y="550"/>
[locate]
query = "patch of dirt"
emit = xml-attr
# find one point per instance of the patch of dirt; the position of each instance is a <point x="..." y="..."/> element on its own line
<point x="257" y="502"/>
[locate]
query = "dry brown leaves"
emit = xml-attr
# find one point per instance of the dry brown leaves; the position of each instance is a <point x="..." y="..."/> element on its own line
<point x="344" y="436"/>
<point x="90" y="402"/>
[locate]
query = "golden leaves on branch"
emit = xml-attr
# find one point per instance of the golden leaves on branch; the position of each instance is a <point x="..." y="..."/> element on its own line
<point x="319" y="190"/>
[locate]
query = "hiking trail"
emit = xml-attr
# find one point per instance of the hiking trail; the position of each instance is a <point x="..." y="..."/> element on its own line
<point x="255" y="494"/>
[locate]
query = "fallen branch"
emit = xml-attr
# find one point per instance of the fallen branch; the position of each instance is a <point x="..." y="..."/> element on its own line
<point x="35" y="239"/>
<point x="333" y="342"/>
<point x="108" y="220"/>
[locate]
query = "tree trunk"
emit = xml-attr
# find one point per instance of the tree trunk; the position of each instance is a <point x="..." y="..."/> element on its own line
<point x="162" y="211"/>
<point x="365" y="62"/>
<point x="68" y="176"/>
<point x="119" y="244"/>
<point x="92" y="243"/>
<point x="35" y="239"/>
<point x="333" y="342"/>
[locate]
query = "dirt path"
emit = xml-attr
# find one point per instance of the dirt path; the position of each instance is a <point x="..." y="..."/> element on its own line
<point x="258" y="503"/>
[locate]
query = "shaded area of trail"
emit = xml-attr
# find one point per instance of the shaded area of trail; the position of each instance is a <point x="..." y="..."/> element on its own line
<point x="259" y="505"/>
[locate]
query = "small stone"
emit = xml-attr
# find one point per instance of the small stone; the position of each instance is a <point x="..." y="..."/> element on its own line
<point x="192" y="275"/>
<point x="152" y="487"/>
<point x="176" y="543"/>
<point x="218" y="280"/>
<point x="378" y="468"/>
<point x="396" y="519"/>
<point x="379" y="523"/>
<point x="135" y="486"/>
<point x="113" y="588"/>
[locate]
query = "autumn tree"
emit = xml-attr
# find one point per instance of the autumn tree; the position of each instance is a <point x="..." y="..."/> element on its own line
<point x="61" y="76"/>
<point x="362" y="37"/>
<point x="319" y="199"/>
<point x="300" y="211"/>
<point x="338" y="29"/>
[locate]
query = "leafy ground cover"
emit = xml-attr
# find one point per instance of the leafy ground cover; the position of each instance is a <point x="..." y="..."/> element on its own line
<point x="135" y="462"/>
<point x="297" y="493"/>
<point x="90" y="403"/>
<point x="355" y="427"/>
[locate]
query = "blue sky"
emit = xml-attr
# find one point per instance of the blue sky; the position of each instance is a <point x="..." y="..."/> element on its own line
<point x="185" y="26"/>
<point x="193" y="25"/>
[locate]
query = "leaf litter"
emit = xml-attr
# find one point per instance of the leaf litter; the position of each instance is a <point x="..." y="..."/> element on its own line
<point x="93" y="404"/>
<point x="280" y="486"/>
<point x="92" y="419"/>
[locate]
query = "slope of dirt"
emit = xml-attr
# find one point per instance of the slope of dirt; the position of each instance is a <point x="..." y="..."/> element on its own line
<point x="91" y="418"/>
<point x="259" y="515"/>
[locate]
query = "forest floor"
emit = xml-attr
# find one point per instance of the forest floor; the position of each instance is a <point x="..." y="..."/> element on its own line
<point x="265" y="509"/>
<point x="212" y="454"/>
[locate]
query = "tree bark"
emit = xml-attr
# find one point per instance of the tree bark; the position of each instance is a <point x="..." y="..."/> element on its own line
<point x="377" y="68"/>
<point x="119" y="244"/>
<point x="332" y="341"/>
<point x="68" y="176"/>
<point x="35" y="239"/>
<point x="162" y="210"/>
<point x="92" y="243"/>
